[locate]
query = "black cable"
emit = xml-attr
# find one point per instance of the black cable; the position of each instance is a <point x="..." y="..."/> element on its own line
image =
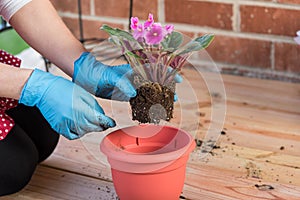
<point x="130" y="13"/>
<point x="4" y="26"/>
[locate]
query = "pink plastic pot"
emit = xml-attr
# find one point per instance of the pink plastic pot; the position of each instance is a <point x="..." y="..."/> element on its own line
<point x="148" y="161"/>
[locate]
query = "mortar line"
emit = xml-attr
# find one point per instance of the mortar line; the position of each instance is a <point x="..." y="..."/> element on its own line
<point x="92" y="7"/>
<point x="272" y="56"/>
<point x="236" y="17"/>
<point x="161" y="11"/>
<point x="222" y="65"/>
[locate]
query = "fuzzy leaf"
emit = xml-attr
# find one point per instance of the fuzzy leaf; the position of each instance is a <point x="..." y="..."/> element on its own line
<point x="196" y="44"/>
<point x="205" y="40"/>
<point x="117" y="32"/>
<point x="122" y="38"/>
<point x="172" y="42"/>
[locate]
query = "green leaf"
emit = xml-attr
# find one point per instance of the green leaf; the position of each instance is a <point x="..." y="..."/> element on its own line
<point x="205" y="40"/>
<point x="114" y="40"/>
<point x="117" y="32"/>
<point x="196" y="44"/>
<point x="122" y="38"/>
<point x="133" y="55"/>
<point x="172" y="42"/>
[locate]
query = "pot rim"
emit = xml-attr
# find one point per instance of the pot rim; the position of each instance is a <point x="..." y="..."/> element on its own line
<point x="116" y="153"/>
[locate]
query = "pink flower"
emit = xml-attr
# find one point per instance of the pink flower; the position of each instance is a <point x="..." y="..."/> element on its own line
<point x="152" y="33"/>
<point x="155" y="35"/>
<point x="297" y="39"/>
<point x="169" y="28"/>
<point x="149" y="21"/>
<point x="139" y="32"/>
<point x="134" y="23"/>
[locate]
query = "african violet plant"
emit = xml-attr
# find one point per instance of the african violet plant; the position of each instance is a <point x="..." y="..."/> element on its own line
<point x="156" y="54"/>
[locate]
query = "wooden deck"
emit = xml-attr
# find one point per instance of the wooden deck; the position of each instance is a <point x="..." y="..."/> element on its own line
<point x="256" y="156"/>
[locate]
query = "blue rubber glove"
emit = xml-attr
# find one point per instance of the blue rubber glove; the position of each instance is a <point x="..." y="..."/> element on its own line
<point x="109" y="82"/>
<point x="70" y="110"/>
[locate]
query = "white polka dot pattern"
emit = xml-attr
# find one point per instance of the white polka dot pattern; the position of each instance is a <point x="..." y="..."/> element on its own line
<point x="6" y="122"/>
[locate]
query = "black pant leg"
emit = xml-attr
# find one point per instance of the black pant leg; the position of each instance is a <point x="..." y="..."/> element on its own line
<point x="38" y="129"/>
<point x="18" y="160"/>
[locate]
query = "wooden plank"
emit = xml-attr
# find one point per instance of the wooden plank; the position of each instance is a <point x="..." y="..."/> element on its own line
<point x="211" y="183"/>
<point x="49" y="183"/>
<point x="76" y="157"/>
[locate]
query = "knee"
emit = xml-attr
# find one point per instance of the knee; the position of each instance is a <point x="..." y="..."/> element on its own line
<point x="46" y="147"/>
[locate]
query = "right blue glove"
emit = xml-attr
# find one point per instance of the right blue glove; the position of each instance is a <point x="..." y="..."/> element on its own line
<point x="70" y="110"/>
<point x="109" y="82"/>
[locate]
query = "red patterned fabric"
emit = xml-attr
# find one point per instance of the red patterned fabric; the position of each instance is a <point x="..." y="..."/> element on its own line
<point x="6" y="122"/>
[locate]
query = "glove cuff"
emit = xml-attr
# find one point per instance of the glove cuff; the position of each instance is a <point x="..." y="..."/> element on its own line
<point x="78" y="63"/>
<point x="35" y="87"/>
<point x="86" y="72"/>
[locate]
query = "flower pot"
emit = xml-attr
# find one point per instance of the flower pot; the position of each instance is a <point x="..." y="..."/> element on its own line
<point x="148" y="161"/>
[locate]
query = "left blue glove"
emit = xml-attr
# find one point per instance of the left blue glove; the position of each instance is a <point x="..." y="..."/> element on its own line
<point x="69" y="109"/>
<point x="109" y="82"/>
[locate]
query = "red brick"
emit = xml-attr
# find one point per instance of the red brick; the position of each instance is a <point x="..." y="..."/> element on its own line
<point x="141" y="9"/>
<point x="287" y="57"/>
<point x="71" y="6"/>
<point x="289" y="1"/>
<point x="269" y="20"/>
<point x="199" y="13"/>
<point x="187" y="34"/>
<point x="91" y="28"/>
<point x="269" y="74"/>
<point x="112" y="8"/>
<point x="240" y="51"/>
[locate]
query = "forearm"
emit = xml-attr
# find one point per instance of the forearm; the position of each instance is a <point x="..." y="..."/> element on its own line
<point x="41" y="27"/>
<point x="12" y="80"/>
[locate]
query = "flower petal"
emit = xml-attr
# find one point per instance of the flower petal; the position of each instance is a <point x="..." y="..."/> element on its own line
<point x="155" y="35"/>
<point x="134" y="23"/>
<point x="149" y="21"/>
<point x="169" y="28"/>
<point x="139" y="32"/>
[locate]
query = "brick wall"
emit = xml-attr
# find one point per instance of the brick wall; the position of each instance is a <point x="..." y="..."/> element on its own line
<point x="253" y="37"/>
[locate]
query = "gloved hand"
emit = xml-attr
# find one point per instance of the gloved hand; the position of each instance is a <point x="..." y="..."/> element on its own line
<point x="109" y="82"/>
<point x="70" y="110"/>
